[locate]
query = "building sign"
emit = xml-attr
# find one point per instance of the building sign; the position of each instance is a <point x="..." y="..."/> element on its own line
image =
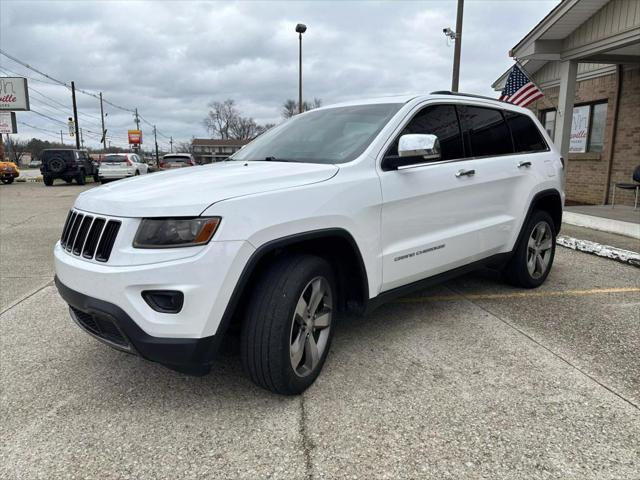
<point x="8" y="122"/>
<point x="14" y="94"/>
<point x="135" y="137"/>
<point x="579" y="129"/>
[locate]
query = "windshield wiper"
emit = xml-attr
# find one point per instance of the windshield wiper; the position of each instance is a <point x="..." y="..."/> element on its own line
<point x="274" y="159"/>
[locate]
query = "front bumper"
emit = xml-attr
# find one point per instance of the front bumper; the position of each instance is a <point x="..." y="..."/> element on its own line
<point x="110" y="324"/>
<point x="207" y="280"/>
<point x="9" y="174"/>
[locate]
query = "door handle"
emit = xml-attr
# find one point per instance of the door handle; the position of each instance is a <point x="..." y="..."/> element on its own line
<point x="524" y="164"/>
<point x="467" y="173"/>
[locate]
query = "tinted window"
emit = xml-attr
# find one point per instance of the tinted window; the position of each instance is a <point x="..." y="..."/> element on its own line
<point x="175" y="159"/>
<point x="526" y="136"/>
<point x="114" y="158"/>
<point x="438" y="120"/>
<point x="485" y="131"/>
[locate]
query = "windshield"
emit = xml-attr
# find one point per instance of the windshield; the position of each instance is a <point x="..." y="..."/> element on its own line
<point x="333" y="135"/>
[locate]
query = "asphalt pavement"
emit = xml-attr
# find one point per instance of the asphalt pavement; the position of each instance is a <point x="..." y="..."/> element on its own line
<point x="473" y="379"/>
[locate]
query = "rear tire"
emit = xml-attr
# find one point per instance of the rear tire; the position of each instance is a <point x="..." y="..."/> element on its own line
<point x="68" y="180"/>
<point x="287" y="330"/>
<point x="48" y="181"/>
<point x="533" y="257"/>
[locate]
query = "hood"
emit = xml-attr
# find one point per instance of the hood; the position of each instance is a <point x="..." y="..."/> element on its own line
<point x="189" y="191"/>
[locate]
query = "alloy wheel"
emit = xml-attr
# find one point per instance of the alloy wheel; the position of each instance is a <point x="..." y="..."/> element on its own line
<point x="310" y="326"/>
<point x="539" y="249"/>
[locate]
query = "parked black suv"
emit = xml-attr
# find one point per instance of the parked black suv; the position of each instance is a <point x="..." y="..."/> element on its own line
<point x="68" y="164"/>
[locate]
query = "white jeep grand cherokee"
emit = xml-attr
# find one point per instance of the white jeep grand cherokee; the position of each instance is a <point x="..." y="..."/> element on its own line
<point x="338" y="209"/>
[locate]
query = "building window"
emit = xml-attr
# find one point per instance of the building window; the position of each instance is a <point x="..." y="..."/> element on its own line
<point x="549" y="122"/>
<point x="598" y="121"/>
<point x="587" y="126"/>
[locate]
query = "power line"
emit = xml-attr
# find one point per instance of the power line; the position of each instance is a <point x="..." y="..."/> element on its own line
<point x="55" y="81"/>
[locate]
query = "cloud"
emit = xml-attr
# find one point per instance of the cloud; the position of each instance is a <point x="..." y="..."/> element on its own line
<point x="170" y="59"/>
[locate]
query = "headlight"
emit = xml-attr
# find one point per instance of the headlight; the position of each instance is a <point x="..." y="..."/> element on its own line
<point x="175" y="232"/>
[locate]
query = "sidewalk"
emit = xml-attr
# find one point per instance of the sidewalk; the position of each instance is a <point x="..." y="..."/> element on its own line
<point x="621" y="220"/>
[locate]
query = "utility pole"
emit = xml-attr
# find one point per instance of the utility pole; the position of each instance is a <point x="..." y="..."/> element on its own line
<point x="61" y="138"/>
<point x="455" y="79"/>
<point x="171" y="144"/>
<point x="155" y="139"/>
<point x="136" y="148"/>
<point x="75" y="114"/>
<point x="104" y="132"/>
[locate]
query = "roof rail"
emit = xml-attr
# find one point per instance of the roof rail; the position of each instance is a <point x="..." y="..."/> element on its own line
<point x="472" y="95"/>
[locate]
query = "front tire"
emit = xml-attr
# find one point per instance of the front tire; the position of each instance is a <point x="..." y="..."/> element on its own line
<point x="48" y="181"/>
<point x="287" y="331"/>
<point x="534" y="254"/>
<point x="81" y="178"/>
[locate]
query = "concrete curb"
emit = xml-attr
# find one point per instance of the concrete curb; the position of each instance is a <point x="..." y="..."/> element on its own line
<point x="619" y="227"/>
<point x="605" y="251"/>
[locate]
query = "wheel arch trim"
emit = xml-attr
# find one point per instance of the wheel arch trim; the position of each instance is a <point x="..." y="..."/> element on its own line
<point x="269" y="247"/>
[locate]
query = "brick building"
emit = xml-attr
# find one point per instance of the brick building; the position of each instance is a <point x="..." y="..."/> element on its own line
<point x="209" y="150"/>
<point x="585" y="56"/>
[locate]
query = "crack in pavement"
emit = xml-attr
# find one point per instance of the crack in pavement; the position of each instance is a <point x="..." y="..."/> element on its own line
<point x="537" y="342"/>
<point x="306" y="443"/>
<point x="26" y="297"/>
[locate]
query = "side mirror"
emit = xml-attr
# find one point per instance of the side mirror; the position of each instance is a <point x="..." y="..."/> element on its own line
<point x="419" y="145"/>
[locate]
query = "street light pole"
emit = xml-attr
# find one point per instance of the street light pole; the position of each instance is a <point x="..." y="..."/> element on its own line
<point x="455" y="79"/>
<point x="300" y="28"/>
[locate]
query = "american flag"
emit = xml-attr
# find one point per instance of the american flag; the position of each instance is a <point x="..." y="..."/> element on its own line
<point x="519" y="90"/>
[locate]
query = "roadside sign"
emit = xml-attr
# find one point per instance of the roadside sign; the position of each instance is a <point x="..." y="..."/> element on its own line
<point x="135" y="137"/>
<point x="8" y="122"/>
<point x="14" y="94"/>
<point x="72" y="127"/>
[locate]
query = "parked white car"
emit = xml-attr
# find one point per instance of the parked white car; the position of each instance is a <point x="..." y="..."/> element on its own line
<point x="115" y="166"/>
<point x="177" y="160"/>
<point x="336" y="210"/>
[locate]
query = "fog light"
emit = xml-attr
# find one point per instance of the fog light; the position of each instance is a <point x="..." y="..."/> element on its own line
<point x="164" y="301"/>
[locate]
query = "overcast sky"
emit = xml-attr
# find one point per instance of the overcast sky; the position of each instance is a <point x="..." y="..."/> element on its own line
<point x="170" y="59"/>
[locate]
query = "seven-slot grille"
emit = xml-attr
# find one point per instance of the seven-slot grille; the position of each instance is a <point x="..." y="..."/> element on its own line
<point x="89" y="236"/>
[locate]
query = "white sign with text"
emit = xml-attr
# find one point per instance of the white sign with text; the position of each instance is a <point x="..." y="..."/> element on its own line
<point x="579" y="129"/>
<point x="14" y="94"/>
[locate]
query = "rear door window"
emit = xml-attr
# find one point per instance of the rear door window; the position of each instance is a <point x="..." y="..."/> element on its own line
<point x="526" y="136"/>
<point x="485" y="131"/>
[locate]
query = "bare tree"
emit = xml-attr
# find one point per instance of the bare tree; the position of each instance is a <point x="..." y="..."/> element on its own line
<point x="15" y="149"/>
<point x="243" y="128"/>
<point x="290" y="107"/>
<point x="263" y="128"/>
<point x="184" y="147"/>
<point x="221" y="116"/>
